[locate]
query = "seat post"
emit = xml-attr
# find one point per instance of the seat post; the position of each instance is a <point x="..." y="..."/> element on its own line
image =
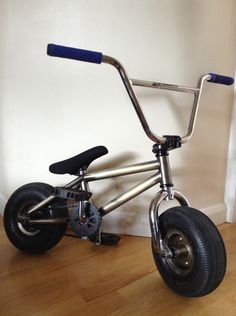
<point x="83" y="184"/>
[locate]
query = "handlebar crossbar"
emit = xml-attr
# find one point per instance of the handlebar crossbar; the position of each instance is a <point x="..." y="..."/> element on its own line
<point x="98" y="58"/>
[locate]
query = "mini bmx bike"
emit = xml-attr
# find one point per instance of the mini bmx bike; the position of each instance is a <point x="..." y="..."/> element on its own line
<point x="187" y="248"/>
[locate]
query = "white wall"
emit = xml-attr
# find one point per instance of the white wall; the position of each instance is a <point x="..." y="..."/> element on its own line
<point x="230" y="183"/>
<point x="54" y="108"/>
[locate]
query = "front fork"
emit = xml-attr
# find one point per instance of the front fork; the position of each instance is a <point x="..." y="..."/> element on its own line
<point x="167" y="193"/>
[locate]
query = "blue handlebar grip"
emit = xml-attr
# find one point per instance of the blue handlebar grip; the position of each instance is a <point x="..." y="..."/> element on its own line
<point x="221" y="79"/>
<point x="74" y="53"/>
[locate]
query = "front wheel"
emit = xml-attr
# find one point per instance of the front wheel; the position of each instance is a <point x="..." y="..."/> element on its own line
<point x="197" y="262"/>
<point x="32" y="238"/>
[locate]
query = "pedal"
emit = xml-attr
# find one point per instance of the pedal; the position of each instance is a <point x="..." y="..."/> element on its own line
<point x="106" y="239"/>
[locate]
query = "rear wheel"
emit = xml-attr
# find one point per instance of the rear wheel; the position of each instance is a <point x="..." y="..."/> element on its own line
<point x="197" y="261"/>
<point x="28" y="237"/>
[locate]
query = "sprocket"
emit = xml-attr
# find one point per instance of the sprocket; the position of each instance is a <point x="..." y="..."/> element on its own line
<point x="89" y="225"/>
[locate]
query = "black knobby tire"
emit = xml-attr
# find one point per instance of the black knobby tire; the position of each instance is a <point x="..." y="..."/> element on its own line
<point x="198" y="262"/>
<point x="32" y="238"/>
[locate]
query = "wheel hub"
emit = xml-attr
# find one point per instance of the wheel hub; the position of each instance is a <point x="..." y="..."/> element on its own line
<point x="22" y="220"/>
<point x="181" y="260"/>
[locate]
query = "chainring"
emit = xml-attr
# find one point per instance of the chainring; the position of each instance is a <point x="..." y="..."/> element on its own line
<point x="90" y="224"/>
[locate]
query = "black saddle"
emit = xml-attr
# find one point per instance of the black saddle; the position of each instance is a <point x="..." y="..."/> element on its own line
<point x="83" y="160"/>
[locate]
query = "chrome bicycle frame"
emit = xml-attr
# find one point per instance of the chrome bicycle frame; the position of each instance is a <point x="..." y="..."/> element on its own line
<point x="85" y="178"/>
<point x="162" y="175"/>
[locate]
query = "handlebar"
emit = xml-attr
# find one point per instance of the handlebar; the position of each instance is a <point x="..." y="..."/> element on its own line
<point x="98" y="58"/>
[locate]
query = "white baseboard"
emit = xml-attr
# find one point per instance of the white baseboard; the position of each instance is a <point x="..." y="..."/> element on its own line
<point x="138" y="225"/>
<point x="217" y="213"/>
<point x="2" y="204"/>
<point x="230" y="180"/>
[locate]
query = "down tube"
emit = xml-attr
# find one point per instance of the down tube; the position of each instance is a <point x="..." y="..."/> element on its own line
<point x="130" y="194"/>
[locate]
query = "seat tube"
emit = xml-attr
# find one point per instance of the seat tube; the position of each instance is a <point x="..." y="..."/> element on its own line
<point x="83" y="185"/>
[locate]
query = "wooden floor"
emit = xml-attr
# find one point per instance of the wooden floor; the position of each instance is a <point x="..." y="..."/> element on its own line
<point x="79" y="278"/>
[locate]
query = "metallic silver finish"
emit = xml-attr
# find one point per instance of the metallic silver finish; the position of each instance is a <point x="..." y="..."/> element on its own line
<point x="127" y="170"/>
<point x="84" y="178"/>
<point x="181" y="198"/>
<point x="35" y="208"/>
<point x="29" y="231"/>
<point x="130" y="194"/>
<point x="182" y="259"/>
<point x="22" y="225"/>
<point x="83" y="183"/>
<point x="153" y="217"/>
<point x="123" y="198"/>
<point x="154" y="222"/>
<point x="114" y="62"/>
<point x="59" y="220"/>
<point x="195" y="108"/>
<point x="74" y="182"/>
<point x="166" y="178"/>
<point x="129" y="87"/>
<point x="164" y="86"/>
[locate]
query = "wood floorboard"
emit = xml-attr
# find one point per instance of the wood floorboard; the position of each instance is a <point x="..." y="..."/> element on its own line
<point x="79" y="278"/>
